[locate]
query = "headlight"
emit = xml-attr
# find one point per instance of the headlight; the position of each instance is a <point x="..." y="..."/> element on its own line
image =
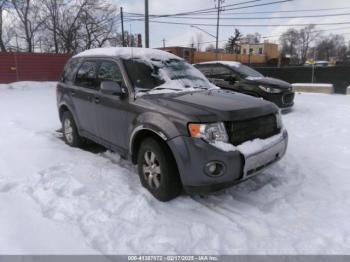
<point x="279" y="122"/>
<point x="211" y="133"/>
<point x="270" y="89"/>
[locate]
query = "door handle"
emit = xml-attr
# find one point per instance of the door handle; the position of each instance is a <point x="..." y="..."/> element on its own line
<point x="97" y="100"/>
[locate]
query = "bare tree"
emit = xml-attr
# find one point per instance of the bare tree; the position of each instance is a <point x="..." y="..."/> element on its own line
<point x="289" y="44"/>
<point x="307" y="35"/>
<point x="2" y="42"/>
<point x="28" y="12"/>
<point x="332" y="46"/>
<point x="65" y="26"/>
<point x="53" y="10"/>
<point x="210" y="48"/>
<point x="70" y="25"/>
<point x="116" y="39"/>
<point x="99" y="21"/>
<point x="252" y="39"/>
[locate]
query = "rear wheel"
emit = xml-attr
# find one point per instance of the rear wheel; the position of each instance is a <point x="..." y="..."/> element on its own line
<point x="70" y="131"/>
<point x="158" y="171"/>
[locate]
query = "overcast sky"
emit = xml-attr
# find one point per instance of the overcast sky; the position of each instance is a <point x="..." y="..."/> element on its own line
<point x="181" y="34"/>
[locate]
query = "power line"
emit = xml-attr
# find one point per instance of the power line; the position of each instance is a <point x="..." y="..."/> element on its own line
<point x="288" y="11"/>
<point x="246" y="25"/>
<point x="250" y="6"/>
<point x="201" y="10"/>
<point x="215" y="11"/>
<point x="260" y="18"/>
<point x="263" y="12"/>
<point x="269" y="3"/>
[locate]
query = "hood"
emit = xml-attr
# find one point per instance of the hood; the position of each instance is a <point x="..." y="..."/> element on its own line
<point x="269" y="81"/>
<point x="211" y="106"/>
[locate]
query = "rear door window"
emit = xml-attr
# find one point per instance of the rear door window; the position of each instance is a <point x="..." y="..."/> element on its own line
<point x="207" y="70"/>
<point x="221" y="71"/>
<point x="69" y="69"/>
<point x="86" y="75"/>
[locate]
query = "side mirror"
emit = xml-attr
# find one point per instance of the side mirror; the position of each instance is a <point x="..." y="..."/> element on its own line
<point x="111" y="88"/>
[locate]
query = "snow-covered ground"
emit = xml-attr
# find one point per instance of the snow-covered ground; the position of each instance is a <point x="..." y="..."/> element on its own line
<point x="59" y="200"/>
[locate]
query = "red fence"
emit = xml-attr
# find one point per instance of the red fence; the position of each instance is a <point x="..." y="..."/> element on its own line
<point x="31" y="66"/>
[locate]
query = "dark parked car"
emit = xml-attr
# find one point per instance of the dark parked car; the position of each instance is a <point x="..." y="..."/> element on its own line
<point x="241" y="78"/>
<point x="165" y="116"/>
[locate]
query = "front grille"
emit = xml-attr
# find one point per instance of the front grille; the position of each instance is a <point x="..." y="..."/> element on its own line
<point x="288" y="98"/>
<point x="245" y="130"/>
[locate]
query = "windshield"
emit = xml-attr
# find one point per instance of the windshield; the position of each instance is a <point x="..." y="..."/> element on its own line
<point x="171" y="74"/>
<point x="247" y="71"/>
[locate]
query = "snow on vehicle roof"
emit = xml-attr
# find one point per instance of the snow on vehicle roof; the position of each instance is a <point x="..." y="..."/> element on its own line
<point x="128" y="53"/>
<point x="227" y="63"/>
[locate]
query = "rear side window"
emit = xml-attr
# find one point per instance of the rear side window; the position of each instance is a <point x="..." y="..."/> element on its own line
<point x="206" y="70"/>
<point x="109" y="71"/>
<point x="221" y="71"/>
<point x="86" y="75"/>
<point x="68" y="72"/>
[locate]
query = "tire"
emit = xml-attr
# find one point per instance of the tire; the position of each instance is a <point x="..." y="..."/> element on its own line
<point x="158" y="170"/>
<point x="70" y="131"/>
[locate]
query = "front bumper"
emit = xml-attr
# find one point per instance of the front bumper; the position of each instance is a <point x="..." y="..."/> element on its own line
<point x="282" y="100"/>
<point x="193" y="154"/>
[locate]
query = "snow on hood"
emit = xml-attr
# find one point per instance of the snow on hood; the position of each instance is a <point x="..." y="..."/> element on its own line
<point x="199" y="81"/>
<point x="181" y="85"/>
<point x="129" y="53"/>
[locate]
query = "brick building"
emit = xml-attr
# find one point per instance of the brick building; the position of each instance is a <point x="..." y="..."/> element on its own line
<point x="186" y="53"/>
<point x="257" y="54"/>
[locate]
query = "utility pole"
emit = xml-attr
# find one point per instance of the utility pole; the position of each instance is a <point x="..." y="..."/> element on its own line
<point x="146" y="25"/>
<point x="163" y="42"/>
<point x="122" y="19"/>
<point x="313" y="68"/>
<point x="218" y="26"/>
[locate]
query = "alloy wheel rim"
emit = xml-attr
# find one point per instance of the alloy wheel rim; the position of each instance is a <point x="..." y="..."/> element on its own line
<point x="68" y="130"/>
<point x="151" y="170"/>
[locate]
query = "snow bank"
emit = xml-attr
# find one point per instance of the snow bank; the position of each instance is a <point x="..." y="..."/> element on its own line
<point x="60" y="200"/>
<point x="26" y="85"/>
<point x="314" y="88"/>
<point x="249" y="147"/>
<point x="312" y="85"/>
<point x="254" y="78"/>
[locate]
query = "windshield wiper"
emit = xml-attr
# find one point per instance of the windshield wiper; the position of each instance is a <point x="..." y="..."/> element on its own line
<point x="165" y="88"/>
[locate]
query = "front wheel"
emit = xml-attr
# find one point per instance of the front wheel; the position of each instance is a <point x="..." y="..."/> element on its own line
<point x="158" y="170"/>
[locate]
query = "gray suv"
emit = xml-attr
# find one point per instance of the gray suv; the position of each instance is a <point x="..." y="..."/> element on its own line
<point x="161" y="113"/>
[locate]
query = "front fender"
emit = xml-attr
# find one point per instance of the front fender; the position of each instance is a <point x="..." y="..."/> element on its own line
<point x="156" y="123"/>
<point x="167" y="128"/>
